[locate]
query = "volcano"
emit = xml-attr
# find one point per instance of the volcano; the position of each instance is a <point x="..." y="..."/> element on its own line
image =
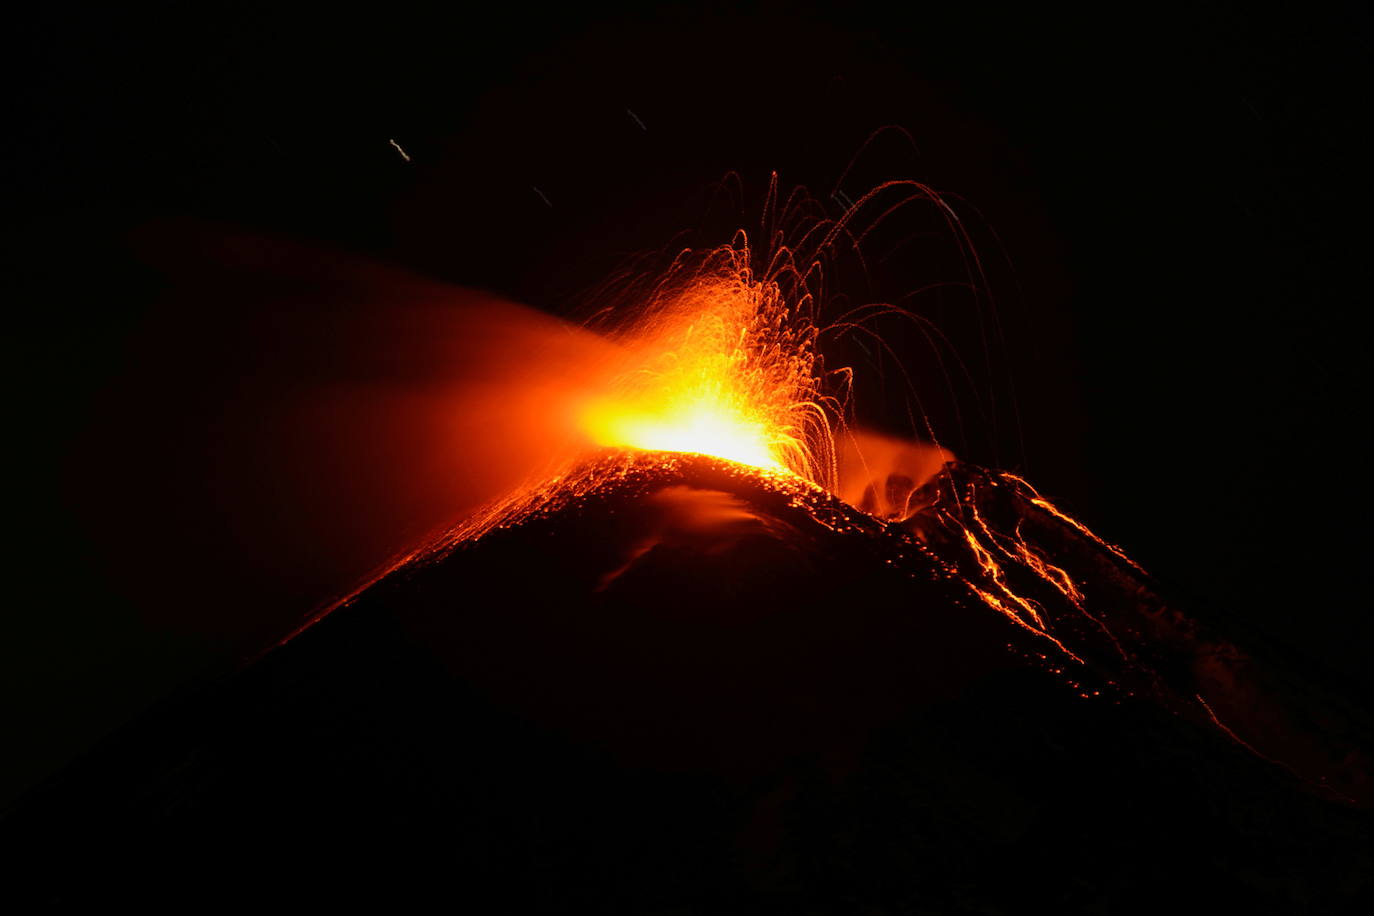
<point x="669" y="683"/>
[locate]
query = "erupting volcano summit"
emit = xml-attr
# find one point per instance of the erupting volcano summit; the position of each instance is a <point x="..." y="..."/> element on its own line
<point x="725" y="652"/>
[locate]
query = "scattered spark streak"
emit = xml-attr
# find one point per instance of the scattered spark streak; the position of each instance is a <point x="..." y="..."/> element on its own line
<point x="637" y="120"/>
<point x="404" y="154"/>
<point x="542" y="196"/>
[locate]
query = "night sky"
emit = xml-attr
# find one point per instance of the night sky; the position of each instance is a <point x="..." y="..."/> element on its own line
<point x="1170" y="200"/>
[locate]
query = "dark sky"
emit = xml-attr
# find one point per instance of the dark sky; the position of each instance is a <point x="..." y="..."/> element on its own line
<point x="1170" y="200"/>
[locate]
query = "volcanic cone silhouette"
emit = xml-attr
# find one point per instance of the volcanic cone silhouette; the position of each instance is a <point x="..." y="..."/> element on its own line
<point x="692" y="687"/>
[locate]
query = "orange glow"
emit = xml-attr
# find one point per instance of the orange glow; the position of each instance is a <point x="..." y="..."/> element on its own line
<point x="882" y="475"/>
<point x="695" y="388"/>
<point x="693" y="421"/>
<point x="722" y="364"/>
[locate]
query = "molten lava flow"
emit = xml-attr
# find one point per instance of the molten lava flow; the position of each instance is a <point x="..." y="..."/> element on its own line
<point x="723" y="365"/>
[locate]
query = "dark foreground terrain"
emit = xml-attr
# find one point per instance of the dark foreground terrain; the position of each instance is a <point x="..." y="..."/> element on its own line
<point x="692" y="689"/>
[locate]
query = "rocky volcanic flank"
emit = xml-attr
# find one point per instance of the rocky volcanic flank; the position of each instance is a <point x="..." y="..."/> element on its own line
<point x="675" y="685"/>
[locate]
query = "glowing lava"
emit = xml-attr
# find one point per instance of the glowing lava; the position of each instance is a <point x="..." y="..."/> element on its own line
<point x="723" y="365"/>
<point x="700" y="423"/>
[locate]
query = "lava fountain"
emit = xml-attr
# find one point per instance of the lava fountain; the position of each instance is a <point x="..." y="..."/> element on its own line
<point x="724" y="365"/>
